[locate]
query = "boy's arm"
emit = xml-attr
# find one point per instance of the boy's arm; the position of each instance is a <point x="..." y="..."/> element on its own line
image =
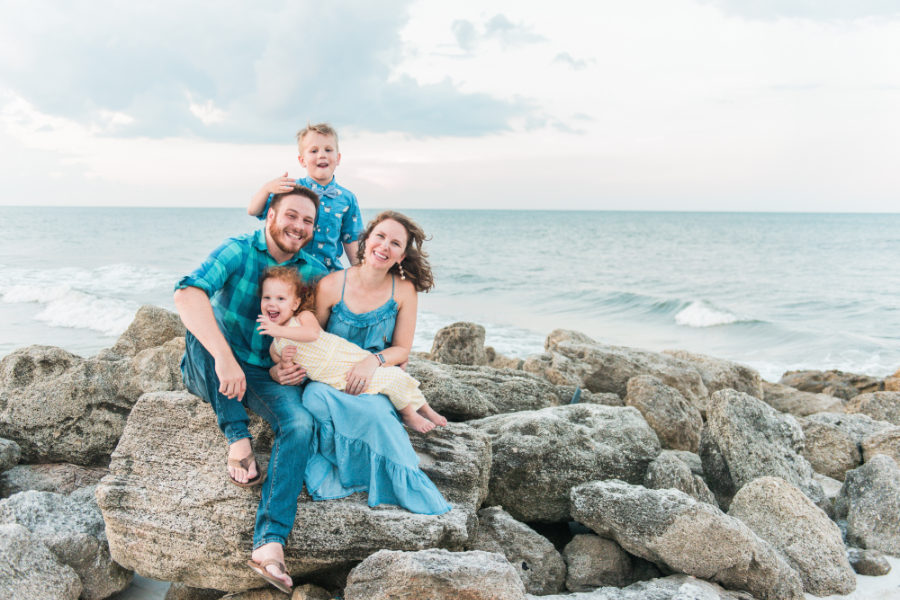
<point x="350" y="248"/>
<point x="258" y="201"/>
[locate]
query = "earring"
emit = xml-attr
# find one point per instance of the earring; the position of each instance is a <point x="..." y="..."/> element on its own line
<point x="402" y="274"/>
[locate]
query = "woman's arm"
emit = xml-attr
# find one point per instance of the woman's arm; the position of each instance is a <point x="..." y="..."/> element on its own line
<point x="328" y="292"/>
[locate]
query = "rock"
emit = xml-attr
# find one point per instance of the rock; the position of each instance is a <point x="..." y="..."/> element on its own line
<point x="715" y="470"/>
<point x="884" y="442"/>
<point x="870" y="502"/>
<point x="538" y="456"/>
<point x="675" y="531"/>
<point x="459" y="344"/>
<point x="178" y="591"/>
<point x="461" y="393"/>
<point x="539" y="565"/>
<point x="691" y="459"/>
<point x="892" y="383"/>
<point x="29" y="571"/>
<point x="779" y="513"/>
<point x="833" y="382"/>
<point x="791" y="400"/>
<point x="171" y="513"/>
<point x="673" y="587"/>
<point x="676" y="421"/>
<point x="754" y="440"/>
<point x="605" y="398"/>
<point x="62" y="478"/>
<point x="881" y="406"/>
<point x="833" y="441"/>
<point x="152" y="326"/>
<point x="10" y="453"/>
<point x="868" y="562"/>
<point x="573" y="358"/>
<point x="156" y="369"/>
<point x="498" y="361"/>
<point x="668" y="471"/>
<point x="721" y="374"/>
<point x="593" y="561"/>
<point x="831" y="487"/>
<point x="300" y="592"/>
<point x="434" y="574"/>
<point x="72" y="528"/>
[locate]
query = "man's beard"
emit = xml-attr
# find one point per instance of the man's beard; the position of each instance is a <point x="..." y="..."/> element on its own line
<point x="279" y="236"/>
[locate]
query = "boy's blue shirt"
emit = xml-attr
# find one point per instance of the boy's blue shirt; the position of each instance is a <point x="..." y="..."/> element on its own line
<point x="339" y="221"/>
<point x="230" y="277"/>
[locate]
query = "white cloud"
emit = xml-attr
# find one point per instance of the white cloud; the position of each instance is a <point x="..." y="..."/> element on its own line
<point x="207" y="112"/>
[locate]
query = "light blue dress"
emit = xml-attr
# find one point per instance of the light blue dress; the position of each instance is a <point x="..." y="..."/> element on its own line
<point x="360" y="444"/>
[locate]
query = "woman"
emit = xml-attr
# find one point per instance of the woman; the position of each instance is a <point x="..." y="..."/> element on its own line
<point x="361" y="443"/>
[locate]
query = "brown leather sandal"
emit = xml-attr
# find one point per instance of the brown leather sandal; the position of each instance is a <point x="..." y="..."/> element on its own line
<point x="260" y="569"/>
<point x="244" y="464"/>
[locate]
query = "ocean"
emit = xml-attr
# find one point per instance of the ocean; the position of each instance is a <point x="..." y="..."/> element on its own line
<point x="775" y="291"/>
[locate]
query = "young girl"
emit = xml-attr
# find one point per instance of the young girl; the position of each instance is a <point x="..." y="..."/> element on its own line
<point x="328" y="358"/>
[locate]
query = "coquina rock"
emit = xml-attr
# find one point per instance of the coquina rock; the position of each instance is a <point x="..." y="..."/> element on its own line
<point x="783" y="516"/>
<point x="833" y="382"/>
<point x="30" y="571"/>
<point x="868" y="562"/>
<point x="538" y="456"/>
<point x="72" y="528"/>
<point x="179" y="591"/>
<point x="892" y="383"/>
<point x="593" y="561"/>
<point x="434" y="574"/>
<point x="539" y="565"/>
<point x="460" y="344"/>
<point x="753" y="440"/>
<point x="682" y="535"/>
<point x="676" y="421"/>
<point x="463" y="392"/>
<point x="300" y="592"/>
<point x="719" y="374"/>
<point x="881" y="406"/>
<point x="673" y="587"/>
<point x="10" y="453"/>
<point x="884" y="442"/>
<point x="786" y="399"/>
<point x="668" y="471"/>
<point x="62" y="478"/>
<point x="870" y="502"/>
<point x="171" y="513"/>
<point x="575" y="359"/>
<point x="833" y="443"/>
<point x="152" y="326"/>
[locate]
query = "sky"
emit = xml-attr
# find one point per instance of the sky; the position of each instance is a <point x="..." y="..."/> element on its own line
<point x="767" y="105"/>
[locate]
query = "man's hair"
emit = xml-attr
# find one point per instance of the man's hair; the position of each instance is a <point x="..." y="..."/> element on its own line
<point x="321" y="128"/>
<point x="298" y="190"/>
<point x="290" y="275"/>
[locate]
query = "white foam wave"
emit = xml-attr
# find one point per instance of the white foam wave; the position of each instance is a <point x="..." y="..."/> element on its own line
<point x="77" y="309"/>
<point x="101" y="281"/>
<point x="700" y="314"/>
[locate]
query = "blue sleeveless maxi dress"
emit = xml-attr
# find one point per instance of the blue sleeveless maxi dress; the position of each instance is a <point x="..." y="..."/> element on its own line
<point x="360" y="444"/>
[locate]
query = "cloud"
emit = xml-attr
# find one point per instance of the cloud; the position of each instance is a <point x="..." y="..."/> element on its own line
<point x="497" y="28"/>
<point x="817" y="10"/>
<point x="567" y="59"/>
<point x="231" y="74"/>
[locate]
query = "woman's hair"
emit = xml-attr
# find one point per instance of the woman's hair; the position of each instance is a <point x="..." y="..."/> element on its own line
<point x="290" y="275"/>
<point x="415" y="266"/>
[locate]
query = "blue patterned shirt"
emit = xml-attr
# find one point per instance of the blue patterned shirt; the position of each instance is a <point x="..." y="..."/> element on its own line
<point x="230" y="277"/>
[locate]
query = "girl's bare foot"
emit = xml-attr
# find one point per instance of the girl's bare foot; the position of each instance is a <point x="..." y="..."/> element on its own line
<point x="433" y="416"/>
<point x="414" y="420"/>
<point x="237" y="451"/>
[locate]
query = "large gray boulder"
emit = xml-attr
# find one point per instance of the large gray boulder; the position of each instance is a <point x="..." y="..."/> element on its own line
<point x="573" y="358"/>
<point x="10" y="453"/>
<point x="465" y="392"/>
<point x="72" y="528"/>
<point x="779" y="513"/>
<point x="786" y="399"/>
<point x="668" y="471"/>
<point x="833" y="443"/>
<point x="459" y="344"/>
<point x="682" y="535"/>
<point x="30" y="571"/>
<point x="539" y="565"/>
<point x="833" y="382"/>
<point x="436" y="575"/>
<point x="884" y="442"/>
<point x="868" y="562"/>
<point x="62" y="478"/>
<point x="881" y="406"/>
<point x="870" y="503"/>
<point x="171" y="513"/>
<point x="593" y="561"/>
<point x="719" y="374"/>
<point x="152" y="326"/>
<point x="676" y="421"/>
<point x="673" y="587"/>
<point x="753" y="440"/>
<point x="538" y="456"/>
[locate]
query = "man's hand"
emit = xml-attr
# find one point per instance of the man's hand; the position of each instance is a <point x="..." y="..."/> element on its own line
<point x="232" y="381"/>
<point x="286" y="372"/>
<point x="279" y="185"/>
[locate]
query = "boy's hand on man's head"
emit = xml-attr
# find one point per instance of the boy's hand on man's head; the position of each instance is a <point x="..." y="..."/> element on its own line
<point x="279" y="185"/>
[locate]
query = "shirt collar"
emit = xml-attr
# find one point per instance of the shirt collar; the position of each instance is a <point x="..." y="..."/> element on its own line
<point x="259" y="242"/>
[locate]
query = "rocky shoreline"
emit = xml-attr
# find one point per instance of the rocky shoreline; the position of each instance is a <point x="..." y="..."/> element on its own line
<point x="588" y="472"/>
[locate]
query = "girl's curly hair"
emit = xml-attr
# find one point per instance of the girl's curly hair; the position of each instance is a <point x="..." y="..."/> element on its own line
<point x="290" y="275"/>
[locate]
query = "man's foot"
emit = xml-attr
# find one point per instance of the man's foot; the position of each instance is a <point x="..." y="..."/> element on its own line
<point x="268" y="562"/>
<point x="242" y="467"/>
<point x="416" y="421"/>
<point x="433" y="416"/>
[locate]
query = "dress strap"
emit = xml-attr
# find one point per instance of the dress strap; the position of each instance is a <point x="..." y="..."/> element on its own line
<point x="345" y="285"/>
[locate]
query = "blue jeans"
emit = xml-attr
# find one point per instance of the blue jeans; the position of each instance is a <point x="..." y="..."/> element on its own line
<point x="292" y="425"/>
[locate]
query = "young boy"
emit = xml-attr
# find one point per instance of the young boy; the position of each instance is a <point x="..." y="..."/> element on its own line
<point x="339" y="222"/>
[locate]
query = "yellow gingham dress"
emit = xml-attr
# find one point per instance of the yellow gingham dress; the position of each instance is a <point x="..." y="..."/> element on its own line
<point x="330" y="358"/>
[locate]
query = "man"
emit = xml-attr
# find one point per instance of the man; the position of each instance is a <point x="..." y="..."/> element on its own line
<point x="227" y="363"/>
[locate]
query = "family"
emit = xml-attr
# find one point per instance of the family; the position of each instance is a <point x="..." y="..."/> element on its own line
<point x="276" y="325"/>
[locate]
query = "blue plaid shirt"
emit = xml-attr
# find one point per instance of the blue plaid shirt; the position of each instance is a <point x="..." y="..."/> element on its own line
<point x="230" y="277"/>
<point x="339" y="221"/>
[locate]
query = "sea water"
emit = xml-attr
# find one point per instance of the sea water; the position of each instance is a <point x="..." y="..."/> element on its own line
<point x="774" y="291"/>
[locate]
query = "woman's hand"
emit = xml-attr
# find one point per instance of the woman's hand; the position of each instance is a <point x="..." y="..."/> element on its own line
<point x="360" y="376"/>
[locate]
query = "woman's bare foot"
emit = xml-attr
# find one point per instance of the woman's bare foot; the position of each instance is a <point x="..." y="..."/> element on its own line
<point x="273" y="551"/>
<point x="240" y="450"/>
<point x="414" y="420"/>
<point x="433" y="416"/>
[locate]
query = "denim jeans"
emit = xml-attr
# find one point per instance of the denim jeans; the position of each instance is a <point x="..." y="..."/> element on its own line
<point x="292" y="425"/>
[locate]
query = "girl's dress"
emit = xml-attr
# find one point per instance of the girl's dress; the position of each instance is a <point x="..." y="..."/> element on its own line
<point x="360" y="443"/>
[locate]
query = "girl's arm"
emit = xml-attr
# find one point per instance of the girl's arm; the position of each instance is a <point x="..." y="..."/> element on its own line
<point x="307" y="331"/>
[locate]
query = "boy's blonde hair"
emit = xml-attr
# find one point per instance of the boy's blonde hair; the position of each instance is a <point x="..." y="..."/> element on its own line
<point x="320" y="128"/>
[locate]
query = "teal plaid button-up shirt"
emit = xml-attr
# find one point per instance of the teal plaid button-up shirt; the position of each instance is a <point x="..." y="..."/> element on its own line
<point x="230" y="277"/>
